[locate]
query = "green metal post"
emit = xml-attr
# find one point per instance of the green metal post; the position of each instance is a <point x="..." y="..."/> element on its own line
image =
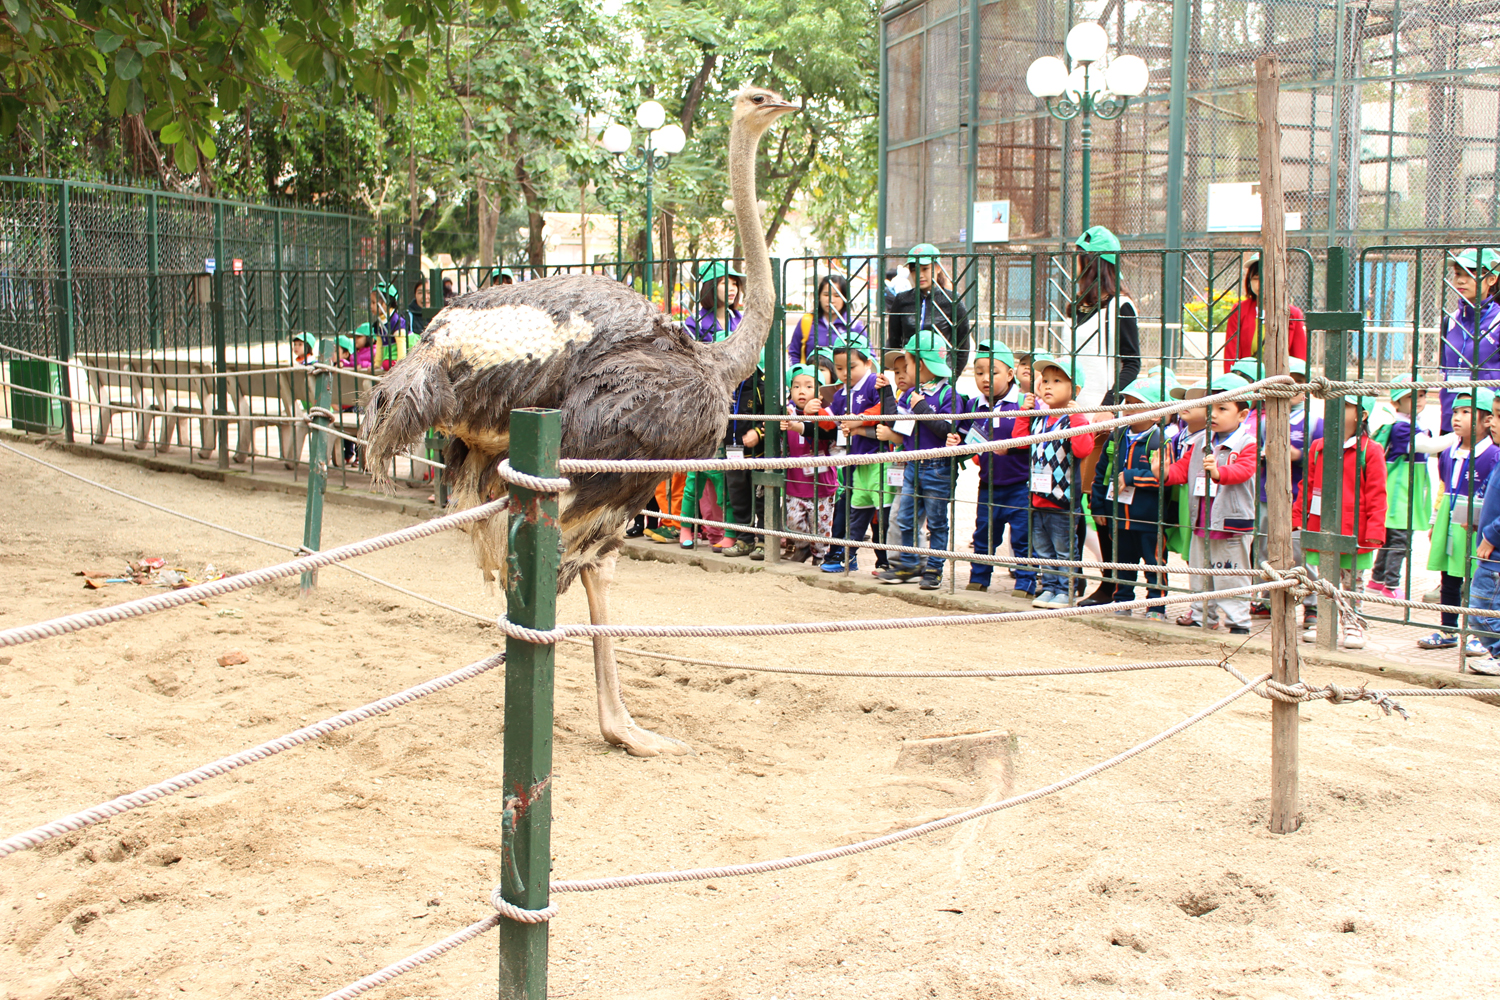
<point x="650" y="214"/>
<point x="972" y="121"/>
<point x="278" y="301"/>
<point x="775" y="393"/>
<point x="1176" y="158"/>
<point x="1086" y="143"/>
<point x="317" y="457"/>
<point x="67" y="333"/>
<point x="153" y="272"/>
<point x="531" y="600"/>
<point x="435" y="290"/>
<point x="1335" y="367"/>
<point x="221" y="351"/>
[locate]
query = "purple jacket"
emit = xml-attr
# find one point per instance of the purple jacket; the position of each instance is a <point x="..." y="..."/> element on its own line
<point x="934" y="433"/>
<point x="1459" y="474"/>
<point x="859" y="400"/>
<point x="1467" y="352"/>
<point x="1301" y="440"/>
<point x="823" y="334"/>
<point x="1001" y="468"/>
<point x="704" y="325"/>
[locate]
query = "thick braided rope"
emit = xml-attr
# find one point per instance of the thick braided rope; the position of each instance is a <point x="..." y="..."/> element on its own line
<point x="586" y="465"/>
<point x="1061" y="411"/>
<point x="410" y="962"/>
<point x="511" y="911"/>
<point x="829" y="854"/>
<point x="536" y="484"/>
<point x="861" y="625"/>
<point x="75" y="363"/>
<point x="267" y="418"/>
<point x="134" y="800"/>
<point x="1104" y="668"/>
<point x="229" y="584"/>
<point x="1322" y="387"/>
<point x="953" y="554"/>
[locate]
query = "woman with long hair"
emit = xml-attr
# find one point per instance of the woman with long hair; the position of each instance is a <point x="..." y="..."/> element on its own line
<point x="721" y="291"/>
<point x="828" y="324"/>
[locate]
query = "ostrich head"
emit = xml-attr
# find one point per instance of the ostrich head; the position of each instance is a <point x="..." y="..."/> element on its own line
<point x="757" y="109"/>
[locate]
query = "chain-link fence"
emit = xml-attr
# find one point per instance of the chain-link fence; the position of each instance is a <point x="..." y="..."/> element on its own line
<point x="1388" y="112"/>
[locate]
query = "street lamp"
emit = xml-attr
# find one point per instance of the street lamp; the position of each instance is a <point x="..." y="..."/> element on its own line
<point x="662" y="142"/>
<point x="1087" y="90"/>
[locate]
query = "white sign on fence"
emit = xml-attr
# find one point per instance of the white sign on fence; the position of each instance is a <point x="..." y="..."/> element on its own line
<point x="992" y="222"/>
<point x="1235" y="208"/>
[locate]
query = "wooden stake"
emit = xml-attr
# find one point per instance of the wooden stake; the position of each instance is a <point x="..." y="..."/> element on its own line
<point x="1285" y="817"/>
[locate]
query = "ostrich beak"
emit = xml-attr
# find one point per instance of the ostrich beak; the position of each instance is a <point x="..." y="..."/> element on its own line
<point x="785" y="105"/>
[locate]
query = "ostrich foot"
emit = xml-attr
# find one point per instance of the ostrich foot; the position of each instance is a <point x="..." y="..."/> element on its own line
<point x="643" y="742"/>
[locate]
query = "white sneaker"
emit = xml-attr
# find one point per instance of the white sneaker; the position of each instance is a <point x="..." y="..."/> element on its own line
<point x="1043" y="600"/>
<point x="1488" y="666"/>
<point x="1354" y="634"/>
<point x="1310" y="634"/>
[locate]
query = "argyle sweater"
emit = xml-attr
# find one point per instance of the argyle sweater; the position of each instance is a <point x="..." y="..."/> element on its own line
<point x="1054" y="459"/>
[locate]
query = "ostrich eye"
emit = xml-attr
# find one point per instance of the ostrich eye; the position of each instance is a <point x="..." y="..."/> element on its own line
<point x="759" y="99"/>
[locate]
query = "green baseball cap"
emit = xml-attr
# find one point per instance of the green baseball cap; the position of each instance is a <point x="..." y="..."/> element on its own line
<point x="501" y="272"/>
<point x="1068" y="366"/>
<point x="347" y="344"/>
<point x="1099" y="240"/>
<point x="997" y="350"/>
<point x="1481" y="399"/>
<point x="811" y="371"/>
<point x="363" y="330"/>
<point x="1164" y="381"/>
<point x="929" y="347"/>
<point x="717" y="269"/>
<point x="1365" y="403"/>
<point x="923" y="253"/>
<point x="1145" y="388"/>
<point x="1472" y="260"/>
<point x="823" y="354"/>
<point x="851" y="342"/>
<point x="309" y="340"/>
<point x="1227" y="382"/>
<point x="1400" y="392"/>
<point x="387" y="289"/>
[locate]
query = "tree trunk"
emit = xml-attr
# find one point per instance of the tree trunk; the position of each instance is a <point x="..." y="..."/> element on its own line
<point x="791" y="189"/>
<point x="536" y="249"/>
<point x="489" y="221"/>
<point x="695" y="90"/>
<point x="142" y="152"/>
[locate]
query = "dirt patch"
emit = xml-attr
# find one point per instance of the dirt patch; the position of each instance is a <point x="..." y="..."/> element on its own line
<point x="305" y="872"/>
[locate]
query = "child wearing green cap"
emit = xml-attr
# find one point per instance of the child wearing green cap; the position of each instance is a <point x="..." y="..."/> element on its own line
<point x="304" y="349"/>
<point x="1363" y="501"/>
<point x="923" y="369"/>
<point x="1408" y="484"/>
<point x="720" y="292"/>
<point x="859" y="505"/>
<point x="1125" y="500"/>
<point x="1003" y="500"/>
<point x="810" y="489"/>
<point x="1464" y="469"/>
<point x="1105" y="340"/>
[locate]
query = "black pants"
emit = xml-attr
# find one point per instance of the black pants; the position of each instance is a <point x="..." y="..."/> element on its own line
<point x="740" y="505"/>
<point x="1388" y="560"/>
<point x="1453" y="592"/>
<point x="1134" y="546"/>
<point x="1108" y="552"/>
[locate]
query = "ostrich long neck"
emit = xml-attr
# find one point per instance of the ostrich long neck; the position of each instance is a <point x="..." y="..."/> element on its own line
<point x="741" y="350"/>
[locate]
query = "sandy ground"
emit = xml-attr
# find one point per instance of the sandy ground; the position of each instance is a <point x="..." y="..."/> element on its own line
<point x="297" y="875"/>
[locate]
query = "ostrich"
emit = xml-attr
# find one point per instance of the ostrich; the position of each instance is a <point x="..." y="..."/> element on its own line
<point x="629" y="382"/>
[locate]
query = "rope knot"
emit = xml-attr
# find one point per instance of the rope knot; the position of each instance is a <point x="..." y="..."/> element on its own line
<point x="538" y="637"/>
<point x="536" y="484"/>
<point x="511" y="911"/>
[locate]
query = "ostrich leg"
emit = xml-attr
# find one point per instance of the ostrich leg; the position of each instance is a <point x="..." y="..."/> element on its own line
<point x="614" y="718"/>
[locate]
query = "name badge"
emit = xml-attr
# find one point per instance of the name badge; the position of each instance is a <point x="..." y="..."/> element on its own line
<point x="735" y="453"/>
<point x="1203" y="486"/>
<point x="1041" y="481"/>
<point x="906" y="428"/>
<point x="1315" y="504"/>
<point x="895" y="476"/>
<point x="975" y="437"/>
<point x="1127" y="495"/>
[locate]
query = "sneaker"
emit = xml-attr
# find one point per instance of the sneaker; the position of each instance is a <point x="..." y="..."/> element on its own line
<point x="853" y="565"/>
<point x="1188" y="621"/>
<point x="1239" y="630"/>
<point x="1059" y="601"/>
<point x="662" y="535"/>
<point x="1376" y="587"/>
<point x="1124" y="612"/>
<point x="1438" y="640"/>
<point x="832" y="567"/>
<point x="634" y="531"/>
<point x="1156" y="616"/>
<point x="1043" y="600"/>
<point x="1354" y="634"/>
<point x="895" y="576"/>
<point x="1310" y="634"/>
<point x="1098" y="597"/>
<point x="724" y="544"/>
<point x="931" y="582"/>
<point x="1433" y="597"/>
<point x="1260" y="609"/>
<point x="1489" y="666"/>
<point x="758" y="554"/>
<point x="686" y="540"/>
<point x="976" y="586"/>
<point x="1023" y="593"/>
<point x="739" y="548"/>
<point x="1475" y="648"/>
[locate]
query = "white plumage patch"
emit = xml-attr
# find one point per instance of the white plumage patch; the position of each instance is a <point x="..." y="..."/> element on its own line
<point x="502" y="334"/>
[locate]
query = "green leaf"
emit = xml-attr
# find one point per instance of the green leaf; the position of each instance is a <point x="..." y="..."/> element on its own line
<point x="127" y="64"/>
<point x="186" y="156"/>
<point x="172" y="132"/>
<point x="158" y="117"/>
<point x="175" y="68"/>
<point x="107" y="41"/>
<point x="118" y="90"/>
<point x="135" y="103"/>
<point x="19" y="17"/>
<point x="230" y="94"/>
<point x="148" y="49"/>
<point x="207" y="147"/>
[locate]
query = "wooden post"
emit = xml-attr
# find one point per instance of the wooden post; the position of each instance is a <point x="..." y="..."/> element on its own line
<point x="1273" y="283"/>
<point x="531" y="600"/>
<point x="317" y="457"/>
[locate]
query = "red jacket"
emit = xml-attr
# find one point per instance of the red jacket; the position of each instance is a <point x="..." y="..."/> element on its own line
<point x="1239" y="333"/>
<point x="1029" y="422"/>
<point x="1372" y="502"/>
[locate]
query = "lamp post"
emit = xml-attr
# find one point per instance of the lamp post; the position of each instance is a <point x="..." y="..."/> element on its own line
<point x="662" y="142"/>
<point x="1088" y="90"/>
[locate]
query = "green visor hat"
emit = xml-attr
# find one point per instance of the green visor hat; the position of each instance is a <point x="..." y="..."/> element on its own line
<point x="923" y="253"/>
<point x="1366" y="404"/>
<point x="1145" y="389"/>
<point x="811" y="371"/>
<point x="1482" y="399"/>
<point x="1400" y="392"/>
<point x="363" y="330"/>
<point x="309" y="340"/>
<point x="929" y="347"/>
<point x="1041" y="361"/>
<point x="997" y="350"/>
<point x="1221" y="383"/>
<point x="822" y="356"/>
<point x="1099" y="240"/>
<point x="346" y="344"/>
<point x="1473" y="260"/>
<point x="1163" y="380"/>
<point x="501" y="272"/>
<point x="717" y="269"/>
<point x="851" y="342"/>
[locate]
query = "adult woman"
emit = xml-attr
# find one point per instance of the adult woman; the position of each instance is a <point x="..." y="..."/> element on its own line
<point x="1244" y="327"/>
<point x="720" y="291"/>
<point x="928" y="304"/>
<point x="1470" y="331"/>
<point x="828" y="325"/>
<point x="1105" y="340"/>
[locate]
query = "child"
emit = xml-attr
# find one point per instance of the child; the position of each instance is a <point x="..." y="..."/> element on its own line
<point x="1024" y="373"/>
<point x="1363" y="502"/>
<point x="743" y="439"/>
<point x="810" y="489"/>
<point x="304" y="349"/>
<point x="1465" y="468"/>
<point x="1470" y="334"/>
<point x="1221" y="474"/>
<point x="1189" y="437"/>
<point x="720" y="292"/>
<point x="364" y="348"/>
<point x="1484" y="589"/>
<point x="1054" y="476"/>
<point x="1003" y="498"/>
<point x="1127" y="492"/>
<point x="346" y="351"/>
<point x="922" y="365"/>
<point x="1408" y="484"/>
<point x="859" y="492"/>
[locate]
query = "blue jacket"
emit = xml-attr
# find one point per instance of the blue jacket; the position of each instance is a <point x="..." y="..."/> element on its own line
<point x="1130" y="457"/>
<point x="860" y="399"/>
<point x="1489" y="514"/>
<point x="942" y="399"/>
